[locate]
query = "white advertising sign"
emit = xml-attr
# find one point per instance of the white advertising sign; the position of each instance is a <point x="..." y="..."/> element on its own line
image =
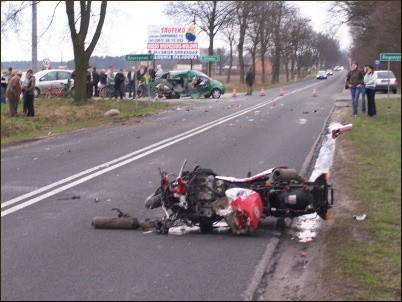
<point x="173" y="42"/>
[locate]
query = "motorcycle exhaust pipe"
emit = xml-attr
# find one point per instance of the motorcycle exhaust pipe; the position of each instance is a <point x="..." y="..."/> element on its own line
<point x="103" y="222"/>
<point x="286" y="174"/>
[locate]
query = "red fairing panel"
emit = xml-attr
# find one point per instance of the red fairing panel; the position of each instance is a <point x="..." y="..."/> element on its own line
<point x="248" y="209"/>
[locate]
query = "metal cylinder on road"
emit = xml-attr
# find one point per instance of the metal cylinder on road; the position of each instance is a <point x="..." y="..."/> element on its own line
<point x="103" y="222"/>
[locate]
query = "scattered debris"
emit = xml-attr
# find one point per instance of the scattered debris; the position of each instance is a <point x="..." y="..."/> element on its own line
<point x="338" y="130"/>
<point x="72" y="197"/>
<point x="360" y="217"/>
<point x="111" y="112"/>
<point x="302" y="254"/>
<point x="120" y="213"/>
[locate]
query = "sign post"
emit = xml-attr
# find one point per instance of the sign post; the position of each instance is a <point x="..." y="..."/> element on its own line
<point x="377" y="63"/>
<point x="394" y="57"/>
<point x="210" y="59"/>
<point x="46" y="63"/>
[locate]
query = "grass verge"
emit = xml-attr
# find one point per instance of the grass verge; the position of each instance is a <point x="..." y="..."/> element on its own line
<point x="365" y="255"/>
<point x="61" y="115"/>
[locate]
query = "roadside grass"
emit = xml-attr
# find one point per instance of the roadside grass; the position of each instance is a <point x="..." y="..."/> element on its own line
<point x="366" y="255"/>
<point x="61" y="115"/>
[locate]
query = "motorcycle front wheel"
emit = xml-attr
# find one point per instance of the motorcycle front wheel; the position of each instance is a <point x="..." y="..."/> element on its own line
<point x="154" y="200"/>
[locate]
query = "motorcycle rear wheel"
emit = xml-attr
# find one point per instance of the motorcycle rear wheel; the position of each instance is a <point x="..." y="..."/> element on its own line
<point x="206" y="227"/>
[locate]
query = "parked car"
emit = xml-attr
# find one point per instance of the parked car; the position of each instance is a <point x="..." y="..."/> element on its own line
<point x="321" y="75"/>
<point x="383" y="77"/>
<point x="329" y="72"/>
<point x="46" y="78"/>
<point x="193" y="83"/>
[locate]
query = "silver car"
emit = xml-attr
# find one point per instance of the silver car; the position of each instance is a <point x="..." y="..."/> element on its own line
<point x="51" y="77"/>
<point x="385" y="79"/>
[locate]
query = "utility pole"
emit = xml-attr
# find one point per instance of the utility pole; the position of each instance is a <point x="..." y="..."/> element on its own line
<point x="191" y="60"/>
<point x="34" y="38"/>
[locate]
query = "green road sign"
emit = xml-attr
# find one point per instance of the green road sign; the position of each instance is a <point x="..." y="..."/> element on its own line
<point x="144" y="57"/>
<point x="390" y="56"/>
<point x="211" y="58"/>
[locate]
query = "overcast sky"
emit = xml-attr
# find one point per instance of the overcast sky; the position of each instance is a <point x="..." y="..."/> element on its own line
<point x="124" y="31"/>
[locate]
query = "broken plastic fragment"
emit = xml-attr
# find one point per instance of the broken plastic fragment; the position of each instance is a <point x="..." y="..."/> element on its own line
<point x="360" y="217"/>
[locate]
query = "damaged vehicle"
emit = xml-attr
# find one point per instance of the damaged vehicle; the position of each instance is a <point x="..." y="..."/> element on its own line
<point x="187" y="83"/>
<point x="202" y="198"/>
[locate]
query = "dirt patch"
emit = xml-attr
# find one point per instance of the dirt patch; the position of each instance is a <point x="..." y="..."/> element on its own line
<point x="298" y="267"/>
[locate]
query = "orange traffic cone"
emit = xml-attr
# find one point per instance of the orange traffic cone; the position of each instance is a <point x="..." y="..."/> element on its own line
<point x="281" y="92"/>
<point x="262" y="92"/>
<point x="314" y="92"/>
<point x="234" y="94"/>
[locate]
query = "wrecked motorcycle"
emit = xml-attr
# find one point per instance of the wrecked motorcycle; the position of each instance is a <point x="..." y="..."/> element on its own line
<point x="201" y="197"/>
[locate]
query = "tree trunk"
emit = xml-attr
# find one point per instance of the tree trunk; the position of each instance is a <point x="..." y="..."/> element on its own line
<point x="82" y="55"/>
<point x="230" y="61"/>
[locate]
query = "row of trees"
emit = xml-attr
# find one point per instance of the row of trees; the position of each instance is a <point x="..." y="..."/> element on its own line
<point x="375" y="27"/>
<point x="263" y="30"/>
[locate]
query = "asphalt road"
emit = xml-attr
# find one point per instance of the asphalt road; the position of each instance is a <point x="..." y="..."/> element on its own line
<point x="50" y="251"/>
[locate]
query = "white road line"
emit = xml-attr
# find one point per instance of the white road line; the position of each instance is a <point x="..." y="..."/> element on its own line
<point x="114" y="164"/>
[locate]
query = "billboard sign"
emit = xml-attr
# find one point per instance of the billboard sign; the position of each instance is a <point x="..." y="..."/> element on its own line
<point x="173" y="42"/>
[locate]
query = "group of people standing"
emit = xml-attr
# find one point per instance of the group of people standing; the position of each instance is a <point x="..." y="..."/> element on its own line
<point x="12" y="87"/>
<point x="362" y="82"/>
<point x="107" y="84"/>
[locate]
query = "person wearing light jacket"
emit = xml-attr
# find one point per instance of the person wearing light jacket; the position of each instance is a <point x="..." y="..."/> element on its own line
<point x="369" y="82"/>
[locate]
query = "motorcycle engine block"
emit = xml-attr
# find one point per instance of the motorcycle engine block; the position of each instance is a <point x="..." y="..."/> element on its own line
<point x="202" y="192"/>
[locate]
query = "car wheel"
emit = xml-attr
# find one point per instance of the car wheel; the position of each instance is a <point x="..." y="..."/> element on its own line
<point x="36" y="92"/>
<point x="72" y="92"/>
<point x="394" y="91"/>
<point x="216" y="93"/>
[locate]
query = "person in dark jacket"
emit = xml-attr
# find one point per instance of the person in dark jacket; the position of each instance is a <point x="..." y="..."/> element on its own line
<point x="95" y="82"/>
<point x="3" y="86"/>
<point x="13" y="92"/>
<point x="29" y="93"/>
<point x="119" y="80"/>
<point x="103" y="83"/>
<point x="131" y="76"/>
<point x="89" y="82"/>
<point x="250" y="76"/>
<point x="152" y="73"/>
<point x="354" y="81"/>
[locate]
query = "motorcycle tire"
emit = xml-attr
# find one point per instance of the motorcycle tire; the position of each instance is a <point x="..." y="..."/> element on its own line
<point x="280" y="224"/>
<point x="206" y="227"/>
<point x="153" y="201"/>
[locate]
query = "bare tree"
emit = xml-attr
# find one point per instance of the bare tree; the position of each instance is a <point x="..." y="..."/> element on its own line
<point x="209" y="16"/>
<point x="243" y="10"/>
<point x="229" y="35"/>
<point x="82" y="55"/>
<point x="11" y="18"/>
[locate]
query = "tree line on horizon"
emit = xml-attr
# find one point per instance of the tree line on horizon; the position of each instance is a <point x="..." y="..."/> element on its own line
<point x="254" y="31"/>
